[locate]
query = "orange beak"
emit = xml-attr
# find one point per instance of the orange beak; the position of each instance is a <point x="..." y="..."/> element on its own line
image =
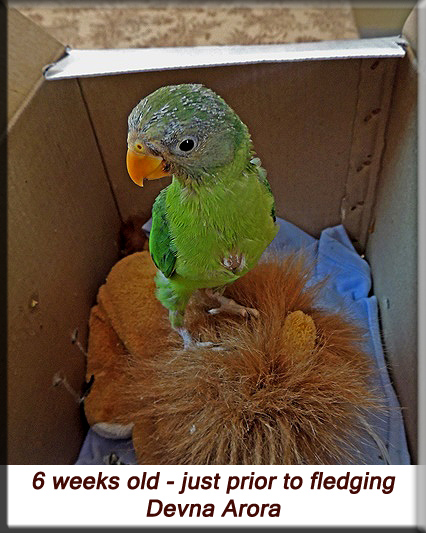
<point x="144" y="166"/>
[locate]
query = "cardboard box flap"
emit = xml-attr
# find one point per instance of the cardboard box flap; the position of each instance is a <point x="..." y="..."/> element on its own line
<point x="83" y="63"/>
<point x="62" y="227"/>
<point x="392" y="249"/>
<point x="26" y="58"/>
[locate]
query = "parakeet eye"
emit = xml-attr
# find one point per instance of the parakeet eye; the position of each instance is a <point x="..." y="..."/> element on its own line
<point x="187" y="145"/>
<point x="138" y="147"/>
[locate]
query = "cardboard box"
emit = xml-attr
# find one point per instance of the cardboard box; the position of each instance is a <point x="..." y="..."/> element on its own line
<point x="333" y="122"/>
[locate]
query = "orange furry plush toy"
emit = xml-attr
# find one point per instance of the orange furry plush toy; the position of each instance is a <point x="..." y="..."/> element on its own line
<point x="292" y="386"/>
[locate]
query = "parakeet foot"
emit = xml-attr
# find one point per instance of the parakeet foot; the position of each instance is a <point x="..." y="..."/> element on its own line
<point x="230" y="306"/>
<point x="189" y="342"/>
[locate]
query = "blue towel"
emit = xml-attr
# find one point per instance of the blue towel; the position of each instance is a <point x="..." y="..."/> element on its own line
<point x="348" y="290"/>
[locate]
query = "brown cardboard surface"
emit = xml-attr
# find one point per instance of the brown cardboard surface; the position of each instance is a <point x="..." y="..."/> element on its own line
<point x="375" y="85"/>
<point x="62" y="235"/>
<point x="392" y="247"/>
<point x="29" y="49"/>
<point x="300" y="116"/>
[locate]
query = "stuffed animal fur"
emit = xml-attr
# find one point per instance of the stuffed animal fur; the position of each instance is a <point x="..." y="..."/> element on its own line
<point x="290" y="387"/>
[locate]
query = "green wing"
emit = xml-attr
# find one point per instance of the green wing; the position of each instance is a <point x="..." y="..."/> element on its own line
<point x="261" y="172"/>
<point x="161" y="247"/>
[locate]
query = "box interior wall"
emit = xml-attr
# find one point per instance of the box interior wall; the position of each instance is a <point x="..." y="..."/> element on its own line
<point x="338" y="138"/>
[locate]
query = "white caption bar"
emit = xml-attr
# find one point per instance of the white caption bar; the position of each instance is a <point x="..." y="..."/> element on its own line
<point x="212" y="495"/>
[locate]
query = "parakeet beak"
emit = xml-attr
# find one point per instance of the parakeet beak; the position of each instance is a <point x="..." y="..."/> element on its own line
<point x="142" y="166"/>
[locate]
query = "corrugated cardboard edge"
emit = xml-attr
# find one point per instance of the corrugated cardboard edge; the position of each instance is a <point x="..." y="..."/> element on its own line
<point x="410" y="30"/>
<point x="86" y="63"/>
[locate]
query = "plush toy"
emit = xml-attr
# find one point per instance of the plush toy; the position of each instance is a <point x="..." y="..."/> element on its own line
<point x="127" y="319"/>
<point x="291" y="386"/>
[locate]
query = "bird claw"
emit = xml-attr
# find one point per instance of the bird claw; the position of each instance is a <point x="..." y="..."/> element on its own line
<point x="236" y="309"/>
<point x="189" y="342"/>
<point x="204" y="344"/>
<point x="212" y="345"/>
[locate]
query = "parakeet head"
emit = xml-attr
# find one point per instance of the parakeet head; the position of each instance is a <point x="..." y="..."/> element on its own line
<point x="186" y="130"/>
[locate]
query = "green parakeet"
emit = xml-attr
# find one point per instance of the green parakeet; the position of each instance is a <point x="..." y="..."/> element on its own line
<point x="213" y="222"/>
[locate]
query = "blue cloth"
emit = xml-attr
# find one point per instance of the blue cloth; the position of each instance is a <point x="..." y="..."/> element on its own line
<point x="348" y="290"/>
<point x="98" y="450"/>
